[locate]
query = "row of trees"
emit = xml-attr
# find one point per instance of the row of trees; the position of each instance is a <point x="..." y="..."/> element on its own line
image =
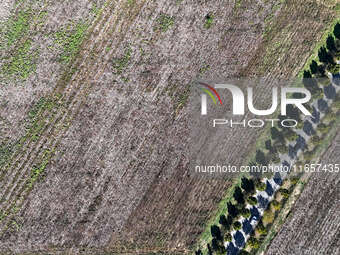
<point x="280" y="136"/>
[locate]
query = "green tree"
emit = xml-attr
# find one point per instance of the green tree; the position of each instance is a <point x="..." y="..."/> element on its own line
<point x="261" y="186"/>
<point x="323" y="128"/>
<point x="261" y="228"/>
<point x="216" y="232"/>
<point x="330" y="43"/>
<point x="238" y="195"/>
<point x="285" y="193"/>
<point x="276" y="134"/>
<point x="293" y="112"/>
<point x="324" y="56"/>
<point x="308" y="155"/>
<point x="309" y="82"/>
<point x="253" y="243"/>
<point x="252" y="200"/>
<point x="314" y="67"/>
<point x="268" y="144"/>
<point x="282" y="148"/>
<point x="215" y="244"/>
<point x="276" y="205"/>
<point x="198" y="252"/>
<point x="232" y="210"/>
<point x="228" y="237"/>
<point x="316" y="140"/>
<point x="247" y="185"/>
<point x="329" y="117"/>
<point x="337" y="31"/>
<point x="237" y="225"/>
<point x="245" y="213"/>
<point x="226" y="222"/>
<point x="260" y="158"/>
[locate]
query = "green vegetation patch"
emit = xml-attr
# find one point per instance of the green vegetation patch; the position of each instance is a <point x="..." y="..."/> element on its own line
<point x="119" y="64"/>
<point x="70" y="39"/>
<point x="164" y="22"/>
<point x="39" y="170"/>
<point x="209" y="20"/>
<point x="17" y="27"/>
<point x="5" y="153"/>
<point x="22" y="63"/>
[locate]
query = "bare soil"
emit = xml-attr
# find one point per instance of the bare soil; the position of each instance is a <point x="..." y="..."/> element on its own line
<point x="119" y="178"/>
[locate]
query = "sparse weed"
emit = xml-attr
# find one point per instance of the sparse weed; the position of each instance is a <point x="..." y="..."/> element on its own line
<point x="17" y="26"/>
<point x="22" y="63"/>
<point x="164" y="22"/>
<point x="119" y="64"/>
<point x="70" y="39"/>
<point x="209" y="20"/>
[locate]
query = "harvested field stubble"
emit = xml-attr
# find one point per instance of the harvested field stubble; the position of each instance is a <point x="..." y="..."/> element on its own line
<point x="115" y="135"/>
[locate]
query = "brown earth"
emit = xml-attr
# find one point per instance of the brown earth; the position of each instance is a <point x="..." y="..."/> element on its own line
<point x="119" y="178"/>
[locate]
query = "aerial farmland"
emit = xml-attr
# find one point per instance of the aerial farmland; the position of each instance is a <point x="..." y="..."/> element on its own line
<point x="95" y="127"/>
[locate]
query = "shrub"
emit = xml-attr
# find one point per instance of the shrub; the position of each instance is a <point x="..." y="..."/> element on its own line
<point x="285" y="193"/>
<point x="268" y="144"/>
<point x="261" y="186"/>
<point x="275" y="159"/>
<point x="240" y="207"/>
<point x="237" y="225"/>
<point x="283" y="149"/>
<point x="260" y="158"/>
<point x="245" y="213"/>
<point x="276" y="205"/>
<point x="323" y="128"/>
<point x="209" y="249"/>
<point x="209" y="19"/>
<point x="336" y="105"/>
<point x="268" y="216"/>
<point x="299" y="125"/>
<point x="292" y="136"/>
<point x="308" y="155"/>
<point x="252" y="200"/>
<point x="329" y="117"/>
<point x="316" y="140"/>
<point x="228" y="237"/>
<point x="261" y="228"/>
<point x="276" y="134"/>
<point x="294" y="180"/>
<point x="253" y="243"/>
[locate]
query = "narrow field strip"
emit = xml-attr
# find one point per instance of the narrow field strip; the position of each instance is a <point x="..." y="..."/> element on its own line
<point x="72" y="96"/>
